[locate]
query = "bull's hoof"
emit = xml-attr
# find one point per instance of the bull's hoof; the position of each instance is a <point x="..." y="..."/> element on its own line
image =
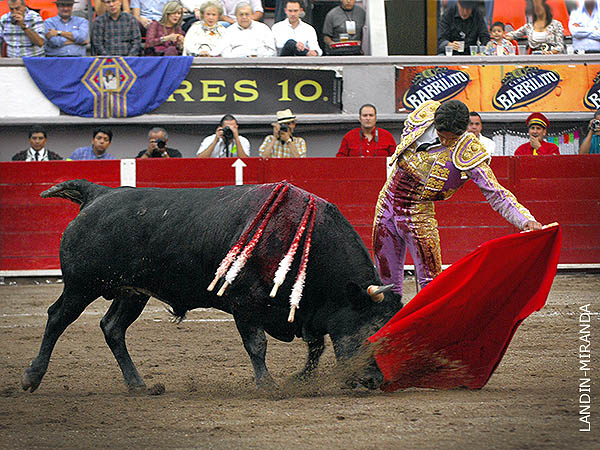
<point x="266" y="384"/>
<point x="31" y="380"/>
<point x="138" y="389"/>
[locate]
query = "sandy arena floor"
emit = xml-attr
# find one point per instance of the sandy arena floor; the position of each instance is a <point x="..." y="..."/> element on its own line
<point x="532" y="401"/>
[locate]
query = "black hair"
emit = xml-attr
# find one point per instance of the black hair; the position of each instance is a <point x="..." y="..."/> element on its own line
<point x="365" y="106"/>
<point x="498" y="24"/>
<point x="300" y="2"/>
<point x="227" y="117"/>
<point x="474" y="114"/>
<point x="37" y="129"/>
<point x="530" y="11"/>
<point x="104" y="130"/>
<point x="452" y="116"/>
<point x="467" y="4"/>
<point x="597" y="113"/>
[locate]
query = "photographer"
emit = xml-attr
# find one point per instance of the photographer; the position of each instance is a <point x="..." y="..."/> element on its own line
<point x="282" y="143"/>
<point x="226" y="142"/>
<point x="157" y="145"/>
<point x="591" y="143"/>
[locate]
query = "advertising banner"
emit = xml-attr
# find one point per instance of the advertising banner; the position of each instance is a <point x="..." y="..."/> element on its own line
<point x="255" y="91"/>
<point x="544" y="88"/>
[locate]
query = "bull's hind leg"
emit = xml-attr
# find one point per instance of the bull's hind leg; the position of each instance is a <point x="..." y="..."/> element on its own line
<point x="61" y="314"/>
<point x="316" y="347"/>
<point x="122" y="313"/>
<point x="255" y="343"/>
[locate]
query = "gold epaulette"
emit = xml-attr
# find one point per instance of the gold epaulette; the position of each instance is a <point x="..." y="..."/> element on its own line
<point x="468" y="152"/>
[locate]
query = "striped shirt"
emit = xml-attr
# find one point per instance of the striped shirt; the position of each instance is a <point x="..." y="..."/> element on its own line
<point x="119" y="37"/>
<point x="282" y="150"/>
<point x="17" y="42"/>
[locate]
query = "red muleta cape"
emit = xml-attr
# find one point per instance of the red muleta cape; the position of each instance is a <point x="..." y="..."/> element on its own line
<point x="455" y="331"/>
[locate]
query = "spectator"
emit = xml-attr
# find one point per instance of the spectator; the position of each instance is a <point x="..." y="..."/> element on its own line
<point x="205" y="37"/>
<point x="147" y="11"/>
<point x="475" y="127"/>
<point x="584" y="24"/>
<point x="591" y="143"/>
<point x="405" y="212"/>
<point x="22" y="30"/>
<point x="537" y="125"/>
<point x="368" y="140"/>
<point x="294" y="37"/>
<point x="101" y="139"/>
<point x="230" y="10"/>
<point x="100" y="7"/>
<point x="498" y="44"/>
<point x="165" y="37"/>
<point x="247" y="37"/>
<point x="116" y="33"/>
<point x="66" y="35"/>
<point x="342" y="23"/>
<point x="226" y="142"/>
<point x="157" y="145"/>
<point x="460" y="27"/>
<point x="544" y="34"/>
<point x="37" y="150"/>
<point x="282" y="143"/>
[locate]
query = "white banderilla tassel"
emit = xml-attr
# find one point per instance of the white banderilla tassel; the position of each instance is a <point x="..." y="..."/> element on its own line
<point x="296" y="295"/>
<point x="284" y="267"/>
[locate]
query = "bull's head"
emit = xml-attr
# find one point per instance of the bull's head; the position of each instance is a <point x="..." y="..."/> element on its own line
<point x="368" y="309"/>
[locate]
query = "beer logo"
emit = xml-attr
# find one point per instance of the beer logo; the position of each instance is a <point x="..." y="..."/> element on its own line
<point x="524" y="86"/>
<point x="592" y="98"/>
<point x="437" y="83"/>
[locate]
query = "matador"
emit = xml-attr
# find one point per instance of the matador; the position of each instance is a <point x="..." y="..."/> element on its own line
<point x="435" y="157"/>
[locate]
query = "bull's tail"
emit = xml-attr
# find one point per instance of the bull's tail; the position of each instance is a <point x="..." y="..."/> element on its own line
<point x="78" y="191"/>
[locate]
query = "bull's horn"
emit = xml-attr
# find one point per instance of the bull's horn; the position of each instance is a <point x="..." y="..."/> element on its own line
<point x="376" y="292"/>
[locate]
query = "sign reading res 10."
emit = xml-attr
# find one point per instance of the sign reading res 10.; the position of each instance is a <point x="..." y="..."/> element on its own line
<point x="255" y="91"/>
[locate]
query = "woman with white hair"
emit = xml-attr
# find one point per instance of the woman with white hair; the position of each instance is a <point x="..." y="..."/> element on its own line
<point x="204" y="38"/>
<point x="166" y="36"/>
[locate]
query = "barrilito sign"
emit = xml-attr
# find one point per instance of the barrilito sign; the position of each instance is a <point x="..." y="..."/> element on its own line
<point x="437" y="83"/>
<point x="592" y="97"/>
<point x="524" y="86"/>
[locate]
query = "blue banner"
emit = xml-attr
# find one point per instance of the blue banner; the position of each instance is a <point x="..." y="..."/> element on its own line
<point x="108" y="86"/>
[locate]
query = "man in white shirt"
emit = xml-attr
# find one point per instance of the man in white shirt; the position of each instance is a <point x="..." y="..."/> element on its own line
<point x="230" y="8"/>
<point x="247" y="37"/>
<point x="475" y="127"/>
<point x="584" y="24"/>
<point x="226" y="142"/>
<point x="294" y="37"/>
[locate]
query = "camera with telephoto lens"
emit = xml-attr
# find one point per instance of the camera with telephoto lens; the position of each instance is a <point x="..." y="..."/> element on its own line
<point x="595" y="125"/>
<point x="227" y="133"/>
<point x="161" y="143"/>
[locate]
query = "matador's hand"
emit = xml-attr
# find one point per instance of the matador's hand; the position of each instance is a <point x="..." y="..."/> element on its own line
<point x="531" y="225"/>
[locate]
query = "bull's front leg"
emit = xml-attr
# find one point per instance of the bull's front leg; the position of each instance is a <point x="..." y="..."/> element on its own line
<point x="124" y="310"/>
<point x="255" y="343"/>
<point x="316" y="347"/>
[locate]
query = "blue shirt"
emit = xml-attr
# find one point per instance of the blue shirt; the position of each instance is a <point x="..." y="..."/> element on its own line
<point x="55" y="46"/>
<point x="595" y="144"/>
<point x="150" y="9"/>
<point x="87" y="153"/>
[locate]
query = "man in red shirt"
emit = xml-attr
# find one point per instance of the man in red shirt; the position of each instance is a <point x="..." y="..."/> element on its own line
<point x="537" y="125"/>
<point x="368" y="140"/>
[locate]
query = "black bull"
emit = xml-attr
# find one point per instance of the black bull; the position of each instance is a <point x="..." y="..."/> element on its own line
<point x="128" y="244"/>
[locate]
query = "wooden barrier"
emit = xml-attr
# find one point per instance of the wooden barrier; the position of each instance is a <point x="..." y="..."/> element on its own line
<point x="563" y="188"/>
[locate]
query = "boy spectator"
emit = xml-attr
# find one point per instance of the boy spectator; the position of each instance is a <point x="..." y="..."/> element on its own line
<point x="584" y="24"/>
<point x="591" y="143"/>
<point x="226" y="142"/>
<point x="461" y="26"/>
<point x="498" y="44"/>
<point x="116" y="33"/>
<point x="101" y="140"/>
<point x="66" y="35"/>
<point x="282" y="143"/>
<point x="23" y="31"/>
<point x="37" y="150"/>
<point x="475" y="127"/>
<point x="157" y="145"/>
<point x="247" y="37"/>
<point x="368" y="140"/>
<point x="294" y="37"/>
<point x="344" y="22"/>
<point x="537" y="126"/>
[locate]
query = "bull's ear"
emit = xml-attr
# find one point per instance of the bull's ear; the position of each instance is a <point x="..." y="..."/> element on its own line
<point x="358" y="296"/>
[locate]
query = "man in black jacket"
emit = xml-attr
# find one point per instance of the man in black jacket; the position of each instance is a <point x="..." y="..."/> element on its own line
<point x="461" y="26"/>
<point x="37" y="150"/>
